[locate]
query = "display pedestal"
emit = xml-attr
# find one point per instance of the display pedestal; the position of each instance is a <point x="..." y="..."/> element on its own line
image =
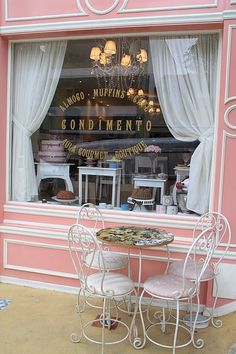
<point x="140" y="204"/>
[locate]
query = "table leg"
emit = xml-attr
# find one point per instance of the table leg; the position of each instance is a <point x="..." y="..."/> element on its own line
<point x="113" y="190"/>
<point x="118" y="190"/>
<point x="162" y="193"/>
<point x="80" y="188"/>
<point x="86" y="188"/>
<point x="135" y="339"/>
<point x="69" y="185"/>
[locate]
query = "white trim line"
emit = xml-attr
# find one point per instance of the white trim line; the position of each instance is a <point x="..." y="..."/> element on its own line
<point x="228" y="61"/>
<point x="152" y="219"/>
<point x="39" y="285"/>
<point x="166" y="8"/>
<point x="222" y="167"/>
<point x="113" y="23"/>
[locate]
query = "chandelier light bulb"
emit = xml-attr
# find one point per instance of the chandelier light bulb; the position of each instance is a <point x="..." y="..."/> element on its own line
<point x="140" y="92"/>
<point x="95" y="53"/>
<point x="142" y="56"/>
<point x="110" y="47"/>
<point x="126" y="60"/>
<point x="151" y="110"/>
<point x="130" y="91"/>
<point x="103" y="59"/>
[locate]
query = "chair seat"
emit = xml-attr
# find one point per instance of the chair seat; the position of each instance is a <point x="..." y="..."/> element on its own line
<point x="115" y="284"/>
<point x="192" y="269"/>
<point x="169" y="286"/>
<point x="112" y="260"/>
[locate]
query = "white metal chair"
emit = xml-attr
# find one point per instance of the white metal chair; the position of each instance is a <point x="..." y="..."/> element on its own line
<point x="110" y="287"/>
<point x="92" y="216"/>
<point x="176" y="289"/>
<point x="223" y="237"/>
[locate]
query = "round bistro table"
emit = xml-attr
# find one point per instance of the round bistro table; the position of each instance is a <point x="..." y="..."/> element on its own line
<point x="135" y="237"/>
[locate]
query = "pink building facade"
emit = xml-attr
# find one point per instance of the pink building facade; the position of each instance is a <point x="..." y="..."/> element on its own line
<point x="33" y="236"/>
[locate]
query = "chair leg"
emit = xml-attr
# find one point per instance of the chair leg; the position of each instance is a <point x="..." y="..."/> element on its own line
<point x="81" y="303"/>
<point x="199" y="343"/>
<point x="75" y="337"/>
<point x="176" y="326"/>
<point x="104" y="314"/>
<point x="217" y="323"/>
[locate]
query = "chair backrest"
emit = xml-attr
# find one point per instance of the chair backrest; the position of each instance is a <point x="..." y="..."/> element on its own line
<point x="220" y="224"/>
<point x="83" y="248"/>
<point x="143" y="164"/>
<point x="200" y="254"/>
<point x="90" y="214"/>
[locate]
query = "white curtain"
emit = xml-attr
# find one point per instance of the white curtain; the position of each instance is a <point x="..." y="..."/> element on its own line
<point x="185" y="71"/>
<point x="37" y="68"/>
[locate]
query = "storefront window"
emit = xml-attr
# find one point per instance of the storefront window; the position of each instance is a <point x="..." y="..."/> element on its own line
<point x="122" y="122"/>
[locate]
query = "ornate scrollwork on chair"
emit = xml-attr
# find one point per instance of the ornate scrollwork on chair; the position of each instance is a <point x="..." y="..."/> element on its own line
<point x="222" y="240"/>
<point x="176" y="289"/>
<point x="108" y="287"/>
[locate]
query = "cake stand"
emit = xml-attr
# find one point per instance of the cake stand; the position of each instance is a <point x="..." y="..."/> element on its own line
<point x="140" y="204"/>
<point x="65" y="201"/>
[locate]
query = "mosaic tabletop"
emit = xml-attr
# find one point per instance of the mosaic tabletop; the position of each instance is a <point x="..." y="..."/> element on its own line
<point x="134" y="236"/>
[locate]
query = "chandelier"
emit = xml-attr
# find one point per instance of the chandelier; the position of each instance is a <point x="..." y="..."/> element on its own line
<point x="141" y="99"/>
<point x="120" y="63"/>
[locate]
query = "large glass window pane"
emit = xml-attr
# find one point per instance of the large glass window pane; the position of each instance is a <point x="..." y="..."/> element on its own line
<point x="105" y="137"/>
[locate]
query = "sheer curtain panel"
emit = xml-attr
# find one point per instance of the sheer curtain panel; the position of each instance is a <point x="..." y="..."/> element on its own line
<point x="37" y="68"/>
<point x="185" y="70"/>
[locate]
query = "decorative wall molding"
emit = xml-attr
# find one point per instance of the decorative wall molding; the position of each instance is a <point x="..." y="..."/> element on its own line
<point x="7" y="265"/>
<point x="181" y="246"/>
<point x="126" y="22"/>
<point x="226" y="116"/>
<point x="95" y="10"/>
<point x="165" y="7"/>
<point x="178" y="221"/>
<point x="79" y="13"/>
<point x="82" y="11"/>
<point x="228" y="61"/>
<point x="226" y="135"/>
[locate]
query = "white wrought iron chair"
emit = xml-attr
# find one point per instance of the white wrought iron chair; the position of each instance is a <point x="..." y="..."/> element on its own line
<point x="223" y="237"/>
<point x="90" y="216"/>
<point x="176" y="289"/>
<point x="109" y="287"/>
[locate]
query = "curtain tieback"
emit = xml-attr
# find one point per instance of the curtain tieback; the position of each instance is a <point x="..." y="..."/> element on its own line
<point x="207" y="135"/>
<point x="20" y="126"/>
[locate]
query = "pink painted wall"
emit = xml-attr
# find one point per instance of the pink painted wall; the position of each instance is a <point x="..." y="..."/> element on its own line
<point x="33" y="250"/>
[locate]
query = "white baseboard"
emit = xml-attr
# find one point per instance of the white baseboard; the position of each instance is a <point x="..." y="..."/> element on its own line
<point x="219" y="311"/>
<point x="39" y="285"/>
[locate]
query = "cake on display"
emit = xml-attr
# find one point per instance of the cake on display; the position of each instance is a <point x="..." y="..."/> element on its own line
<point x="52" y="151"/>
<point x="65" y="195"/>
<point x="141" y="193"/>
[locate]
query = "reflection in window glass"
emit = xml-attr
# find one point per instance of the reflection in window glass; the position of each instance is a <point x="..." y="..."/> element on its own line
<point x="114" y="121"/>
